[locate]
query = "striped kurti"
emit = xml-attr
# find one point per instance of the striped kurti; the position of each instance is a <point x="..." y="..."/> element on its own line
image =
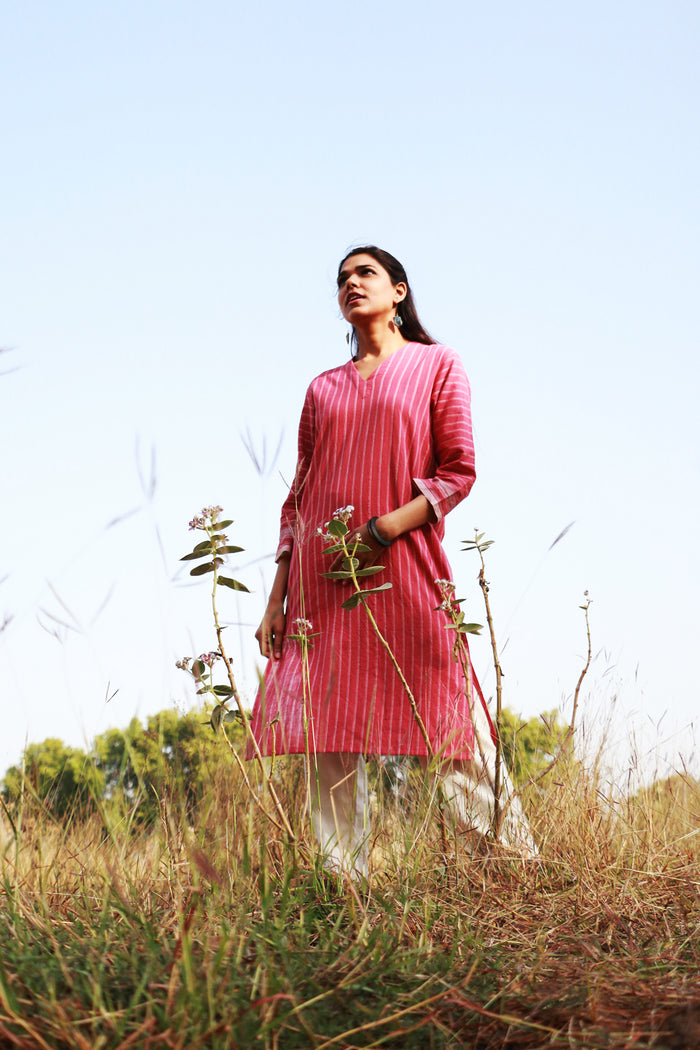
<point x="376" y="444"/>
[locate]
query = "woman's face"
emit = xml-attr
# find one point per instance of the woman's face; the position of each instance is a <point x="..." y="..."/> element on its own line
<point x="365" y="291"/>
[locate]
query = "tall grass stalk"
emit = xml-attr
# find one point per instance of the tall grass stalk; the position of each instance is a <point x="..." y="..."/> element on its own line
<point x="479" y="544"/>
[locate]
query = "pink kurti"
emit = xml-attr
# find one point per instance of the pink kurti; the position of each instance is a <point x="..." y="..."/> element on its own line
<point x="376" y="444"/>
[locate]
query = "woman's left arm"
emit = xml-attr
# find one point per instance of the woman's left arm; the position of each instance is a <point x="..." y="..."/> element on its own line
<point x="389" y="526"/>
<point x="411" y="516"/>
<point x="453" y="441"/>
<point x="453" y="445"/>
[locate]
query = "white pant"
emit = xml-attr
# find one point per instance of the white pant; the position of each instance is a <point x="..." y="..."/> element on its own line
<point x="340" y="812"/>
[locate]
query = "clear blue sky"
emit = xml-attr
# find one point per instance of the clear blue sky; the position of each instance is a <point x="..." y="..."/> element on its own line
<point x="177" y="186"/>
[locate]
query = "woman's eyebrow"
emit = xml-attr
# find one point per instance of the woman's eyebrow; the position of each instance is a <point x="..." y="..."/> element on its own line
<point x="344" y="274"/>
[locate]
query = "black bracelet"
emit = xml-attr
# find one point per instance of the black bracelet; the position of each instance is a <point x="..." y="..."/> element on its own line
<point x="372" y="527"/>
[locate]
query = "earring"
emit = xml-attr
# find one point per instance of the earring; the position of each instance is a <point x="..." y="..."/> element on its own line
<point x="398" y="320"/>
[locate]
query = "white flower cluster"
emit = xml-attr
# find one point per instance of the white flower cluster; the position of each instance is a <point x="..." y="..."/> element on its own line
<point x="447" y="590"/>
<point x="207" y="517"/>
<point x="344" y="513"/>
<point x="302" y="626"/>
<point x="341" y="514"/>
<point x="209" y="658"/>
<point x="446" y="586"/>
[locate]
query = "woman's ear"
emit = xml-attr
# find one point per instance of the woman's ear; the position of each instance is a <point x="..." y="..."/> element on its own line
<point x="400" y="289"/>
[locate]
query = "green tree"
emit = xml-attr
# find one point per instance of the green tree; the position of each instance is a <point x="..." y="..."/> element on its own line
<point x="172" y="755"/>
<point x="64" y="778"/>
<point x="529" y="747"/>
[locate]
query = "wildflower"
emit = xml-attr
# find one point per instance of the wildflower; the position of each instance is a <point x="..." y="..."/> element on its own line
<point x="323" y="532"/>
<point x="446" y="586"/>
<point x="302" y="626"/>
<point x="209" y="658"/>
<point x="206" y="518"/>
<point x="344" y="513"/>
<point x="211" y="512"/>
<point x="183" y="664"/>
<point x="447" y="590"/>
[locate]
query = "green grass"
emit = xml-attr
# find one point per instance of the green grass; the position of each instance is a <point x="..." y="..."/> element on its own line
<point x="216" y="933"/>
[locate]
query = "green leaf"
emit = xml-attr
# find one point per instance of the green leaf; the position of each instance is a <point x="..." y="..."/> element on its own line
<point x="370" y="570"/>
<point x="337" y="548"/>
<point x="216" y="716"/>
<point x="354" y="600"/>
<point x="471" y="628"/>
<point x="339" y="575"/>
<point x="229" y="550"/>
<point x="197" y="554"/>
<point x="221" y="525"/>
<point x="198" y="668"/>
<point x="222" y="690"/>
<point x="350" y="563"/>
<point x="233" y="716"/>
<point x="358" y="547"/>
<point x="337" y="528"/>
<point x="199" y="570"/>
<point x="233" y="584"/>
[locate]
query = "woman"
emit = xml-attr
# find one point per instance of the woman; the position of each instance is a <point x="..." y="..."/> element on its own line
<point x="385" y="439"/>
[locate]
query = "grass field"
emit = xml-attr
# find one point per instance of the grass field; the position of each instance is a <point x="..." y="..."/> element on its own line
<point x="211" y="931"/>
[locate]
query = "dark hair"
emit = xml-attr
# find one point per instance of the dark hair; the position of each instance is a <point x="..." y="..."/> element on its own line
<point x="411" y="329"/>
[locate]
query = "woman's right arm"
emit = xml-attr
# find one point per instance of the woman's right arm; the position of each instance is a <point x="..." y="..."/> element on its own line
<point x="270" y="633"/>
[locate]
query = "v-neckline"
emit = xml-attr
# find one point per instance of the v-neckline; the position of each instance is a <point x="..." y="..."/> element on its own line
<point x="367" y="379"/>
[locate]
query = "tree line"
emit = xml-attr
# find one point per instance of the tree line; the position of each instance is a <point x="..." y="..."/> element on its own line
<point x="171" y="752"/>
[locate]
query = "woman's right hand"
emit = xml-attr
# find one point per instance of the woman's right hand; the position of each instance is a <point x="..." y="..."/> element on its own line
<point x="270" y="633"/>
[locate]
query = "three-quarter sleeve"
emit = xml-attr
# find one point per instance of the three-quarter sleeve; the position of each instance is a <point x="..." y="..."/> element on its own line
<point x="306" y="440"/>
<point x="453" y="442"/>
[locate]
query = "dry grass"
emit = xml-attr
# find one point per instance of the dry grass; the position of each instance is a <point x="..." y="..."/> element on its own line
<point x="221" y="935"/>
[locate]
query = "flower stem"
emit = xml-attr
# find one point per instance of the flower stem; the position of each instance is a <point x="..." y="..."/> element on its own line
<point x="250" y="736"/>
<point x="407" y="689"/>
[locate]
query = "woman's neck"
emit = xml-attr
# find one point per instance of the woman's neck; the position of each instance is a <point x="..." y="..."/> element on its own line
<point x="378" y="339"/>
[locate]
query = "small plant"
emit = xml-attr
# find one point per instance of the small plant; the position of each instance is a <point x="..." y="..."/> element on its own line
<point x="480" y="545"/>
<point x="304" y="635"/>
<point x="451" y="607"/>
<point x="336" y="532"/>
<point x="212" y="552"/>
<point x="460" y="653"/>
